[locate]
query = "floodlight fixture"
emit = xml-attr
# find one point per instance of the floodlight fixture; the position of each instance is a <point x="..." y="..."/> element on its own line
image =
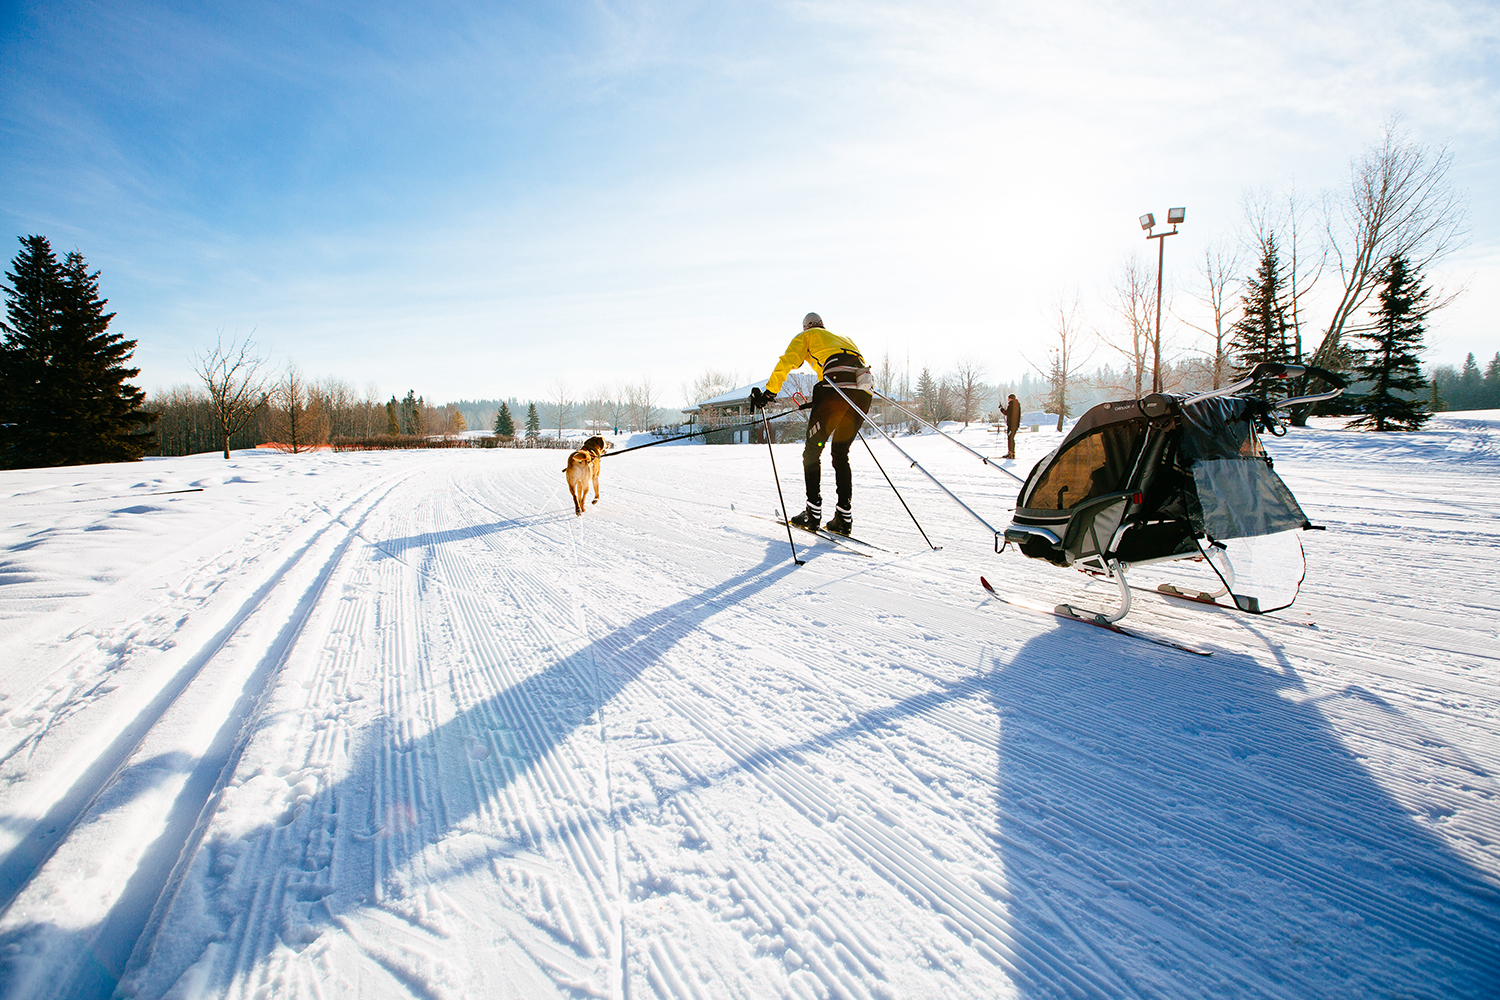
<point x="1175" y="217"/>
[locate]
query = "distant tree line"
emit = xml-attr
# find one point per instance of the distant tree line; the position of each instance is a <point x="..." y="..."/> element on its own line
<point x="626" y="407"/>
<point x="294" y="413"/>
<point x="238" y="404"/>
<point x="1467" y="388"/>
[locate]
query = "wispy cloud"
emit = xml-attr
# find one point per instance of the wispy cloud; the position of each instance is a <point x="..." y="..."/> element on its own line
<point x="447" y="196"/>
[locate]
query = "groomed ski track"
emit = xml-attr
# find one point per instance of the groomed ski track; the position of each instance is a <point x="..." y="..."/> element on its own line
<point x="401" y="725"/>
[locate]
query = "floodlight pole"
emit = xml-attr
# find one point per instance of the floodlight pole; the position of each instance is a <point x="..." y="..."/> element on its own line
<point x="1174" y="216"/>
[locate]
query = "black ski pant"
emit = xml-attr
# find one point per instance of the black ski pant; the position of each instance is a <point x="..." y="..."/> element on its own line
<point x="834" y="423"/>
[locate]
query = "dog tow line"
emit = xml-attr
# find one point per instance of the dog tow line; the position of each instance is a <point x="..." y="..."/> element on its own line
<point x="693" y="434"/>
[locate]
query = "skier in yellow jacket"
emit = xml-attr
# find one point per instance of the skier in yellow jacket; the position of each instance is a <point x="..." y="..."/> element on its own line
<point x="830" y="419"/>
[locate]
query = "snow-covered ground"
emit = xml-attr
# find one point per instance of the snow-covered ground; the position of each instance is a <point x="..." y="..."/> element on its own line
<point x="399" y="724"/>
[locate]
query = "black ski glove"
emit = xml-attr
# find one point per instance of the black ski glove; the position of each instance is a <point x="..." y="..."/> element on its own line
<point x="760" y="400"/>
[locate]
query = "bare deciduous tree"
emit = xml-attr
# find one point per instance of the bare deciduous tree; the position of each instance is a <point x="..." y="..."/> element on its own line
<point x="446" y="420"/>
<point x="1219" y="271"/>
<point x="1134" y="301"/>
<point x="349" y="415"/>
<point x="1063" y="361"/>
<point x="335" y="398"/>
<point x="187" y="424"/>
<point x="711" y="383"/>
<point x="563" y="400"/>
<point x="641" y="401"/>
<point x="373" y="418"/>
<point x="619" y="405"/>
<point x="968" y="387"/>
<point x="298" y="421"/>
<point x="1282" y="218"/>
<point x="885" y="388"/>
<point x="1400" y="202"/>
<point x="597" y="409"/>
<point x="1306" y="257"/>
<point x="885" y="378"/>
<point x="236" y="387"/>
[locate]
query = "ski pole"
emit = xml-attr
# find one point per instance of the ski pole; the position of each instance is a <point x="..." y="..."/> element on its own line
<point x="892" y="485"/>
<point x="917" y="465"/>
<point x="929" y="423"/>
<point x="766" y="423"/>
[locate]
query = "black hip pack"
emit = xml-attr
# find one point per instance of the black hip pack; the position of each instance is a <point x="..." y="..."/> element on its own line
<point x="848" y="369"/>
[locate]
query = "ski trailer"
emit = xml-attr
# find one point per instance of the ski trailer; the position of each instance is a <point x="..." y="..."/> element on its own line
<point x="1166" y="478"/>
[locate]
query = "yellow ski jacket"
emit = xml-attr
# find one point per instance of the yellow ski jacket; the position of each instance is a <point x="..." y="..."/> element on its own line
<point x="814" y="347"/>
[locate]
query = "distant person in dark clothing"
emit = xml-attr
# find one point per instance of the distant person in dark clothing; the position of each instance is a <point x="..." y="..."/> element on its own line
<point x="1012" y="424"/>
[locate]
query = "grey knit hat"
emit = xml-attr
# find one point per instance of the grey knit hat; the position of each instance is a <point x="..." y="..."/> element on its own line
<point x="811" y="320"/>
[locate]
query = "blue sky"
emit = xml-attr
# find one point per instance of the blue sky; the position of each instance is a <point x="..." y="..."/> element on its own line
<point x="478" y="200"/>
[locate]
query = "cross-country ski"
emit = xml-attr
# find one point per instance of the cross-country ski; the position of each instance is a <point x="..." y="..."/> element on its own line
<point x="857" y="544"/>
<point x="1071" y="614"/>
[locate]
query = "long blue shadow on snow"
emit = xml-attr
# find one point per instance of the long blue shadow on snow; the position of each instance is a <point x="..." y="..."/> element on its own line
<point x="1262" y="859"/>
<point x="1175" y="826"/>
<point x="394" y="546"/>
<point x="537" y="715"/>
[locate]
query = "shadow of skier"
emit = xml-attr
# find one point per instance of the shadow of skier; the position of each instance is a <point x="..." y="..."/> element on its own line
<point x="1184" y="827"/>
<point x="381" y="839"/>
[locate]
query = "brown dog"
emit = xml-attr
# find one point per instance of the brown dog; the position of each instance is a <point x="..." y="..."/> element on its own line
<point x="583" y="467"/>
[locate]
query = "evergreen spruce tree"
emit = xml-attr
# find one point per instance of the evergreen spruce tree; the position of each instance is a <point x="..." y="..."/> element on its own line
<point x="1435" y="402"/>
<point x="505" y="426"/>
<point x="64" y="398"/>
<point x="944" y="408"/>
<point x="392" y="422"/>
<point x="1492" y="383"/>
<point x="1390" y="364"/>
<point x="1263" y="333"/>
<point x="410" y="413"/>
<point x="33" y="313"/>
<point x="1056" y="399"/>
<point x="533" y="423"/>
<point x="111" y="425"/>
<point x="1469" y="392"/>
<point x="927" y="394"/>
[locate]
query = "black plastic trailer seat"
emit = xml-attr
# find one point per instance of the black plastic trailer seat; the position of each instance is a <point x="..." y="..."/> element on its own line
<point x="1110" y="480"/>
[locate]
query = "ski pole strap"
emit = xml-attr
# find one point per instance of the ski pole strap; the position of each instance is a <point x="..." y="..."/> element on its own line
<point x="929" y="423"/>
<point x="706" y="430"/>
<point x="917" y="465"/>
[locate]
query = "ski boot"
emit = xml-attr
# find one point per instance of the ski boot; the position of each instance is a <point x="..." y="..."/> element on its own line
<point x="809" y="519"/>
<point x="842" y="523"/>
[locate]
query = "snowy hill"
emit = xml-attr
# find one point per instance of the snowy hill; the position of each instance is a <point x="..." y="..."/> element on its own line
<point x="399" y="724"/>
